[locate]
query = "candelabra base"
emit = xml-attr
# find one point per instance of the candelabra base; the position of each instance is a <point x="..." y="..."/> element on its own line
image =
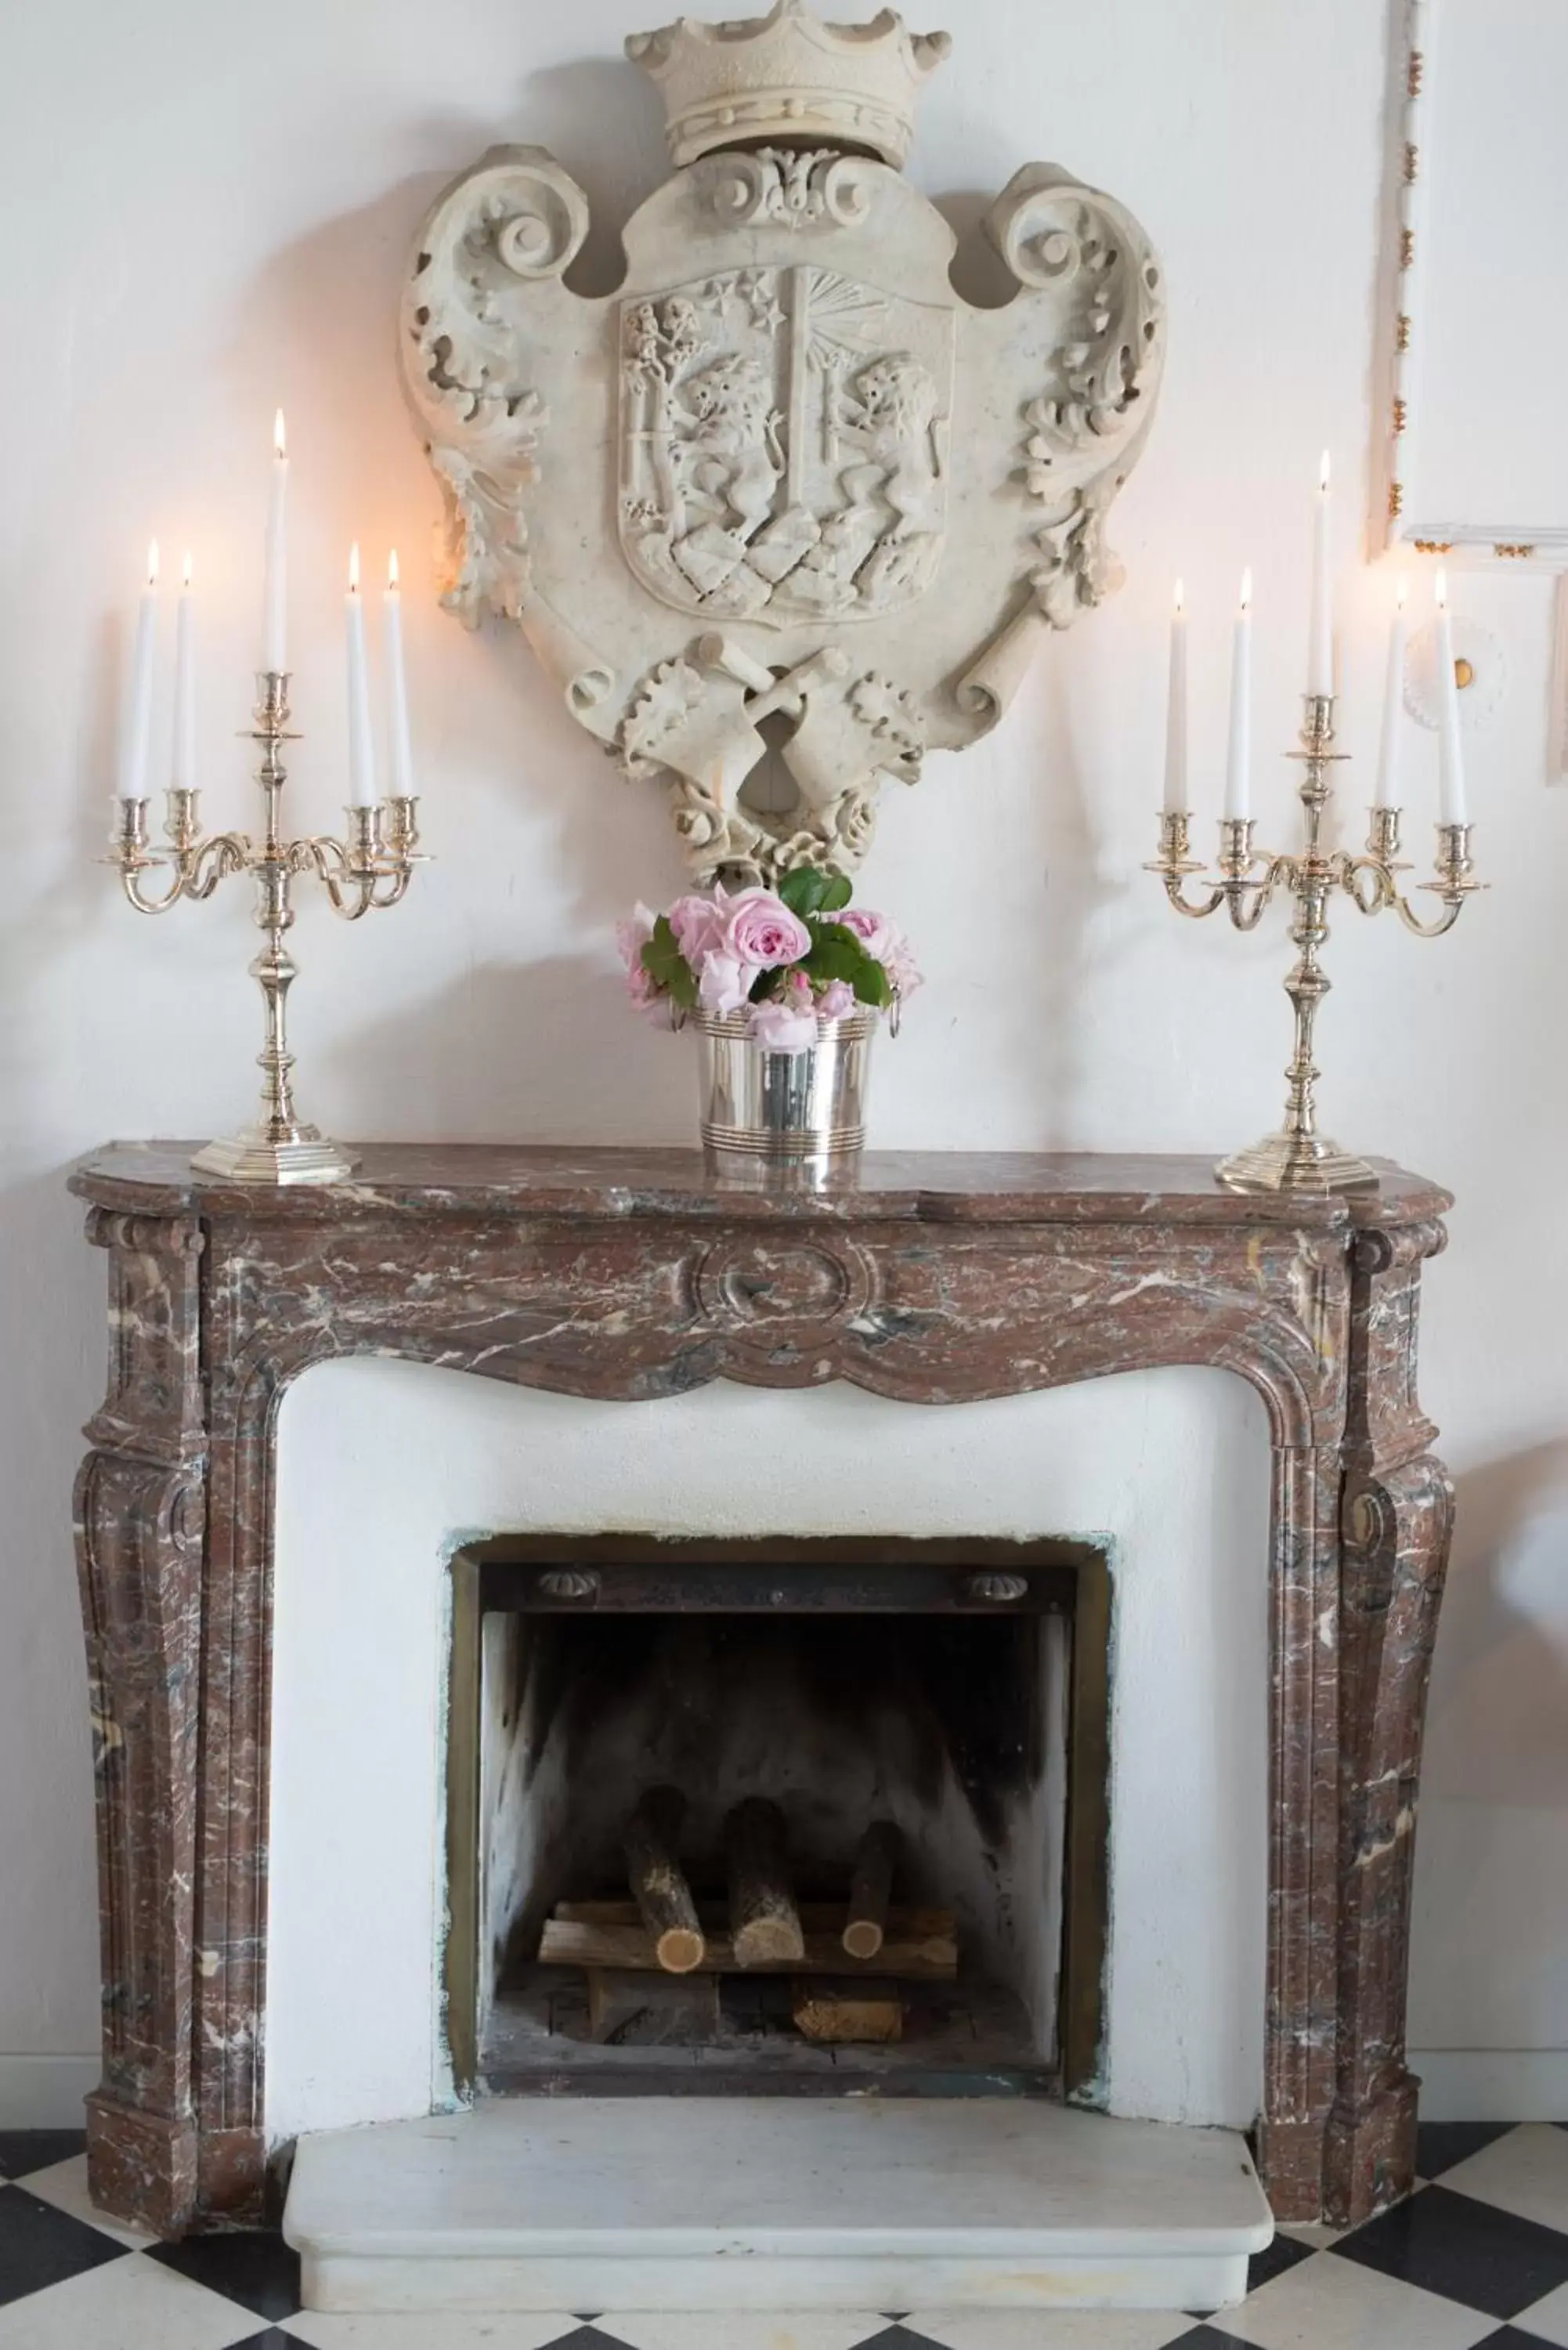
<point x="305" y="1156"/>
<point x="1295" y="1162"/>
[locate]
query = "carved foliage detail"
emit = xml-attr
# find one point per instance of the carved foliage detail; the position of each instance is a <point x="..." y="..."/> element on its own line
<point x="818" y="188"/>
<point x="1084" y="430"/>
<point x="515" y="220"/>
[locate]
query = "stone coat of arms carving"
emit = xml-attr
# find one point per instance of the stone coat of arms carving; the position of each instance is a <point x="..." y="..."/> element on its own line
<point x="785" y="490"/>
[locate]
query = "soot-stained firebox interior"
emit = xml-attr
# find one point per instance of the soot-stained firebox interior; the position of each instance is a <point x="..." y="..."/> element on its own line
<point x="786" y="1815"/>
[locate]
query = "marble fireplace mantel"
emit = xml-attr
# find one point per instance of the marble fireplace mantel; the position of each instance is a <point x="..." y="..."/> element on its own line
<point x="633" y="1274"/>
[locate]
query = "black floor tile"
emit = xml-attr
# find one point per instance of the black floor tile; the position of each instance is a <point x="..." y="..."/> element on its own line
<point x="1439" y="2145"/>
<point x="273" y="2337"/>
<point x="897" y="2338"/>
<point x="25" y="2150"/>
<point x="40" y="2246"/>
<point x="1453" y="2245"/>
<point x="1282" y="2253"/>
<point x="259" y="2271"/>
<point x="1205" y="2336"/>
<point x="1509" y="2337"/>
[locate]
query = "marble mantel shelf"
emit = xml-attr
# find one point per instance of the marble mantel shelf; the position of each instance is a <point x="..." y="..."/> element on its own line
<point x="635" y="1275"/>
<point x="437" y="1179"/>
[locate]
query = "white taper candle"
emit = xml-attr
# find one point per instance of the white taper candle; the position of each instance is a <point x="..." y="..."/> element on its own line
<point x="183" y="771"/>
<point x="1388" y="759"/>
<point x="400" y="741"/>
<point x="138" y="701"/>
<point x="1451" y="756"/>
<point x="1239" y="759"/>
<point x="1176" y="714"/>
<point x="361" y="747"/>
<point x="1320" y="631"/>
<point x="274" y="627"/>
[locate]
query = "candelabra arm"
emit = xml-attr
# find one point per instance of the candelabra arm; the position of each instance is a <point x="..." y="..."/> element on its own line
<point x="1173" y="865"/>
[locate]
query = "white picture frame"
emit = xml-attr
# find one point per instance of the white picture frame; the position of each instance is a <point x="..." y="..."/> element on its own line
<point x="1440" y="143"/>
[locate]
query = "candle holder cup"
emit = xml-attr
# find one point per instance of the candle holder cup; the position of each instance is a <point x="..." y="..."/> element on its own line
<point x="366" y="872"/>
<point x="1298" y="1157"/>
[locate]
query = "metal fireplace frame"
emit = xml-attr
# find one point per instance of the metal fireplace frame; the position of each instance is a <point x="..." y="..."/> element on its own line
<point x="773" y="1575"/>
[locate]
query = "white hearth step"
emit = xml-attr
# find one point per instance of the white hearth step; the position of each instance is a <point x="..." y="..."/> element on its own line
<point x="691" y="2203"/>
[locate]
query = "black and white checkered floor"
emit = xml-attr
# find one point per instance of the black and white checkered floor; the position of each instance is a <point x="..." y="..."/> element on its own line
<point x="1480" y="2254"/>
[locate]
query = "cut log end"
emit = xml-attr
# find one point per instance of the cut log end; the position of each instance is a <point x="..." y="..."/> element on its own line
<point x="658" y="1883"/>
<point x="866" y="1925"/>
<point x="682" y="1950"/>
<point x="764" y="1922"/>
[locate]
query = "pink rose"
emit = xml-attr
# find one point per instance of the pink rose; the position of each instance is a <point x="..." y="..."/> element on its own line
<point x="723" y="984"/>
<point x="697" y="924"/>
<point x="885" y="942"/>
<point x="903" y="971"/>
<point x="760" y="930"/>
<point x="836" y="998"/>
<point x="632" y="935"/>
<point x="781" y="1028"/>
<point x="630" y="938"/>
<point x="875" y="932"/>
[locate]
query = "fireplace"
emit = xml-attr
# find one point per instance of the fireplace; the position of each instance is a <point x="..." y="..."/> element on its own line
<point x="619" y="1279"/>
<point x="923" y="1725"/>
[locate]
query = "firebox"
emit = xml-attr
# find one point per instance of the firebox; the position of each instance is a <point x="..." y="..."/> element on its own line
<point x="778" y="1817"/>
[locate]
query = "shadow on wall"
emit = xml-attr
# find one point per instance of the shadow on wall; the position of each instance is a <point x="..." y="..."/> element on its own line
<point x="1493" y="1839"/>
<point x="1498" y="1725"/>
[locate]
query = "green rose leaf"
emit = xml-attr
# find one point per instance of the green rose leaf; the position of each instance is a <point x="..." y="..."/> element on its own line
<point x="804" y="889"/>
<point x="667" y="967"/>
<point x="838" y="893"/>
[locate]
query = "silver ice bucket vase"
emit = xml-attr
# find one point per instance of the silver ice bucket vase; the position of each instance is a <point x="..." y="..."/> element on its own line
<point x="761" y="1106"/>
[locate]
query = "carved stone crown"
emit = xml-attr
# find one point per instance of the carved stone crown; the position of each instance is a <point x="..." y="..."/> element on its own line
<point x="789" y="76"/>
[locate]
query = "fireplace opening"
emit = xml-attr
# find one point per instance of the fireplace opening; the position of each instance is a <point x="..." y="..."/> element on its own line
<point x="784" y="1815"/>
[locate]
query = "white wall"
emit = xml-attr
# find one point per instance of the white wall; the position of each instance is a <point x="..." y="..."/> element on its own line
<point x="208" y="211"/>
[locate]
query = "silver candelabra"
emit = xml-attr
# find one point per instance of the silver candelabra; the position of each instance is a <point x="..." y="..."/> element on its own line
<point x="368" y="870"/>
<point x="1298" y="1157"/>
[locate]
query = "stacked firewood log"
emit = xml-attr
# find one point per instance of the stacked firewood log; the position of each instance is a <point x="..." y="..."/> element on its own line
<point x="846" y="1959"/>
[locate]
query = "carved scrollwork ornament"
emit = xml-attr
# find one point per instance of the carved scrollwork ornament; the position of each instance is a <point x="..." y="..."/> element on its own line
<point x="784" y="512"/>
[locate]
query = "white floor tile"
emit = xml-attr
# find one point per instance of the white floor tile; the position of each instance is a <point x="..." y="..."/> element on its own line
<point x="756" y="2330"/>
<point x="64" y="2185"/>
<point x="1329" y="2304"/>
<point x="1525" y="2172"/>
<point x="130" y="2304"/>
<point x="1061" y="2329"/>
<point x="1313" y="2232"/>
<point x="468" y="2330"/>
<point x="1548" y="2320"/>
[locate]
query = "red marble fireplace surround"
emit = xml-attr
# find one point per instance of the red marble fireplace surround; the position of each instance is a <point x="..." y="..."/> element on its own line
<point x="635" y="1275"/>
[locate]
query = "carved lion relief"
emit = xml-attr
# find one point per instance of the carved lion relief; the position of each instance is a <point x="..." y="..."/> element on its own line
<point x="784" y="491"/>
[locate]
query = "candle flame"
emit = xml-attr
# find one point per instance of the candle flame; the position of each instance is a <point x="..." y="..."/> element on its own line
<point x="1401" y="589"/>
<point x="1322" y="475"/>
<point x="279" y="437"/>
<point x="1441" y="588"/>
<point x="1179" y="604"/>
<point x="392" y="569"/>
<point x="153" y="563"/>
<point x="1247" y="589"/>
<point x="354" y="568"/>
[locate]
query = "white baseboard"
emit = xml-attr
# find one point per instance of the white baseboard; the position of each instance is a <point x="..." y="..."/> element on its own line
<point x="45" y="2091"/>
<point x="1492" y="2084"/>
